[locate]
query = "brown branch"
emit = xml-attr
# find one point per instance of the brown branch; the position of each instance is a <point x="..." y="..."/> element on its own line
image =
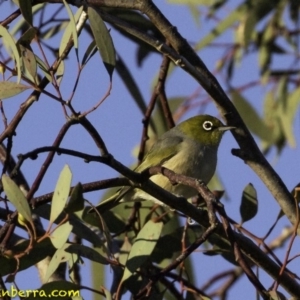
<point x="187" y="59"/>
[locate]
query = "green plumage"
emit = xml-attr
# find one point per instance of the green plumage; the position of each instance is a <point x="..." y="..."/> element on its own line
<point x="190" y="149"/>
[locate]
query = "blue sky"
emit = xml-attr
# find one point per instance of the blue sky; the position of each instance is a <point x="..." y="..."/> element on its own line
<point x="119" y="123"/>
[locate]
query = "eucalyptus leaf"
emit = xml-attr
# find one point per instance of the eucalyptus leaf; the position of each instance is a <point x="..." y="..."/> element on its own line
<point x="61" y="193"/>
<point x="253" y="121"/>
<point x="9" y="89"/>
<point x="29" y="61"/>
<point x="76" y="201"/>
<point x="59" y="257"/>
<point x="9" y="41"/>
<point x="103" y="40"/>
<point x="70" y="29"/>
<point x="16" y="197"/>
<point x="61" y="234"/>
<point x="26" y="9"/>
<point x="249" y="203"/>
<point x="142" y="247"/>
<point x="90" y="253"/>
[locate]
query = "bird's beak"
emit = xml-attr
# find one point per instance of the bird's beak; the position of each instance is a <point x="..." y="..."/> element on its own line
<point x="224" y="128"/>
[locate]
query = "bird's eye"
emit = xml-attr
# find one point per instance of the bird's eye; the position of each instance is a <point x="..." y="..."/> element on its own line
<point x="207" y="125"/>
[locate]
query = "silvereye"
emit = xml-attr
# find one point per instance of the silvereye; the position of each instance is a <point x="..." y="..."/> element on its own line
<point x="189" y="149"/>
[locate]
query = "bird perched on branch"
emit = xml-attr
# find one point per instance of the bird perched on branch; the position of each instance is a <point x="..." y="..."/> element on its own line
<point x="189" y="149"/>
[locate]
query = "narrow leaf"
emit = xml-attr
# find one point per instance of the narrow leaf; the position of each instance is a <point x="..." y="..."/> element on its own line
<point x="11" y="43"/>
<point x="29" y="61"/>
<point x="103" y="41"/>
<point x="131" y="84"/>
<point x="89" y="53"/>
<point x="61" y="193"/>
<point x="87" y="252"/>
<point x="251" y="117"/>
<point x="249" y="204"/>
<point x="142" y="247"/>
<point x="60" y="235"/>
<point x="16" y="197"/>
<point x="70" y="29"/>
<point x="44" y="68"/>
<point x="26" y="9"/>
<point x="60" y="72"/>
<point x="27" y="36"/>
<point x="59" y="256"/>
<point x="76" y="201"/>
<point x="9" y="89"/>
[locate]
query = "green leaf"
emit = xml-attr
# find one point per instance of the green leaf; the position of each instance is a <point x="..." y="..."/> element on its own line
<point x="142" y="247"/>
<point x="40" y="250"/>
<point x="44" y="68"/>
<point x="70" y="29"/>
<point x="84" y="251"/>
<point x="8" y="40"/>
<point x="21" y="23"/>
<point x="103" y="41"/>
<point x="226" y="23"/>
<point x="16" y="197"/>
<point x="250" y="117"/>
<point x="60" y="235"/>
<point x="61" y="193"/>
<point x="26" y="10"/>
<point x="76" y="201"/>
<point x="29" y="61"/>
<point x="288" y="106"/>
<point x="131" y="84"/>
<point x="249" y="203"/>
<point x="59" y="256"/>
<point x="60" y="72"/>
<point x="276" y="295"/>
<point x="9" y="89"/>
<point x="89" y="53"/>
<point x="27" y="37"/>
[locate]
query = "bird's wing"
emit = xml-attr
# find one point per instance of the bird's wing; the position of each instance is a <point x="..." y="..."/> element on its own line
<point x="162" y="150"/>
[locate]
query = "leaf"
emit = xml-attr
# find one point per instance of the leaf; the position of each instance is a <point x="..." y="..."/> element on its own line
<point x="59" y="256"/>
<point x="60" y="235"/>
<point x="8" y="39"/>
<point x="249" y="203"/>
<point x="250" y="117"/>
<point x="40" y="250"/>
<point x="16" y="197"/>
<point x="27" y="36"/>
<point x="70" y="29"/>
<point x="26" y="10"/>
<point x="230" y="19"/>
<point x="76" y="201"/>
<point x="21" y="23"/>
<point x="276" y="295"/>
<point x="87" y="252"/>
<point x="288" y="105"/>
<point x="89" y="53"/>
<point x="60" y="72"/>
<point x="44" y="68"/>
<point x="61" y="193"/>
<point x="103" y="41"/>
<point x="142" y="247"/>
<point x="131" y="84"/>
<point x="29" y="61"/>
<point x="9" y="89"/>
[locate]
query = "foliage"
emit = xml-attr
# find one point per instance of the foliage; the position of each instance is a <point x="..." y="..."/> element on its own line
<point x="47" y="50"/>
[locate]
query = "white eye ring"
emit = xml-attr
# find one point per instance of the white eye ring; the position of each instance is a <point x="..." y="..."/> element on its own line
<point x="207" y="125"/>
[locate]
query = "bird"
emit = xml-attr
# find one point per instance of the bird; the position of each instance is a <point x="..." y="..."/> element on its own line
<point x="189" y="149"/>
